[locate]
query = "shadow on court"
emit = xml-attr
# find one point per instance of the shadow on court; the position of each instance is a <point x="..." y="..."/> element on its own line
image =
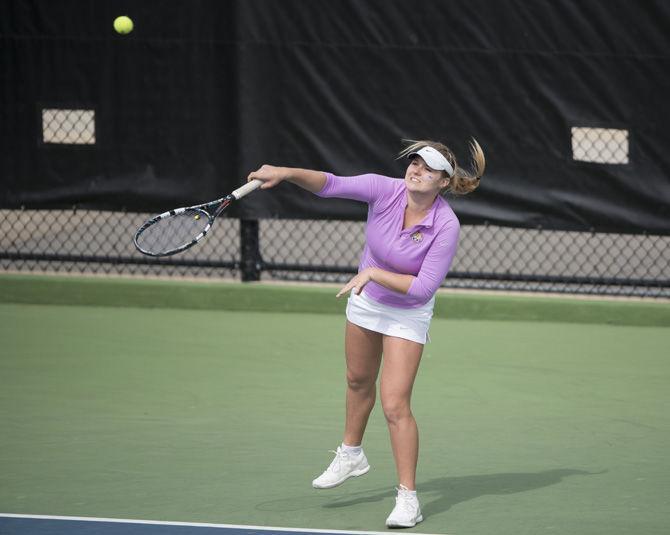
<point x="440" y="494"/>
<point x="437" y="495"/>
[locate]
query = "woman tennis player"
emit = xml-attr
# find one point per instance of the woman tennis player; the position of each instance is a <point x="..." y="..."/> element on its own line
<point x="411" y="238"/>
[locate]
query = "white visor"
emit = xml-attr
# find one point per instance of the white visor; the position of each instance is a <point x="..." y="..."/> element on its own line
<point x="434" y="159"/>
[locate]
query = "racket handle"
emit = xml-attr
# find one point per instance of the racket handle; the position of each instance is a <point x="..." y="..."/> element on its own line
<point x="246" y="189"/>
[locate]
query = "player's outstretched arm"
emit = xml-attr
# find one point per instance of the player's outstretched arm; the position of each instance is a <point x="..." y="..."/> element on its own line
<point x="271" y="176"/>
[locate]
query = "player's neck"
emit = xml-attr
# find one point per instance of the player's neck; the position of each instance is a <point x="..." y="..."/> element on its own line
<point x="419" y="203"/>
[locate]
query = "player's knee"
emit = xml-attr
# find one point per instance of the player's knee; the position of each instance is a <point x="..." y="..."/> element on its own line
<point x="395" y="410"/>
<point x="359" y="383"/>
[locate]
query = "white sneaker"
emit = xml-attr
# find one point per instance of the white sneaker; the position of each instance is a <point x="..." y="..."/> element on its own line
<point x="343" y="467"/>
<point x="406" y="513"/>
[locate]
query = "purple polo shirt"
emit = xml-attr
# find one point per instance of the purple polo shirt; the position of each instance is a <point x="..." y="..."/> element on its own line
<point x="424" y="250"/>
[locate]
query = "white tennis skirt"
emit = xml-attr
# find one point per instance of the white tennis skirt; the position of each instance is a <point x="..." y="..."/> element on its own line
<point x="408" y="323"/>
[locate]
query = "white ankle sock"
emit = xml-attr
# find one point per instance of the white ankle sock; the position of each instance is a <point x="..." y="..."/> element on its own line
<point x="404" y="489"/>
<point x="352" y="450"/>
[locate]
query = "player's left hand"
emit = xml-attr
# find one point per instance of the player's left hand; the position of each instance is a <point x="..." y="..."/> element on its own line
<point x="357" y="284"/>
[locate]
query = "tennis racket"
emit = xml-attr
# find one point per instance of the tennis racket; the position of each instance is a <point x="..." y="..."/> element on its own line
<point x="179" y="229"/>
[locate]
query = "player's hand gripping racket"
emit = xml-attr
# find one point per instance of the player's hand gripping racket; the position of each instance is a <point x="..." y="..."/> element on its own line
<point x="175" y="231"/>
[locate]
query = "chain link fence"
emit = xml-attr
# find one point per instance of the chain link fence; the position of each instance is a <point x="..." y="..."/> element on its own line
<point x="68" y="127"/>
<point x="489" y="257"/>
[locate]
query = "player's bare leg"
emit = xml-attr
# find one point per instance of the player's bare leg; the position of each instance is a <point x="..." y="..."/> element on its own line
<point x="363" y="351"/>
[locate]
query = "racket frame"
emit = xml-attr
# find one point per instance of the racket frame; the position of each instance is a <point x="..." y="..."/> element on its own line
<point x="211" y="210"/>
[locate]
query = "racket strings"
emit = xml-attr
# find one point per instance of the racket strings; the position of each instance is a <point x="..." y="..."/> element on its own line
<point x="173" y="232"/>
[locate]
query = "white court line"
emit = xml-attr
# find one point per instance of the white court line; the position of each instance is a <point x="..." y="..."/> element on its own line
<point x="194" y="524"/>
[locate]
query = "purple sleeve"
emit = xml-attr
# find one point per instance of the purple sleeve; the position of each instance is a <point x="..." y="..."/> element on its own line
<point x="437" y="262"/>
<point x="367" y="188"/>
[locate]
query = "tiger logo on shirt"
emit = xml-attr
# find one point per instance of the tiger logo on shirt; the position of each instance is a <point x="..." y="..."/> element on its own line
<point x="417" y="237"/>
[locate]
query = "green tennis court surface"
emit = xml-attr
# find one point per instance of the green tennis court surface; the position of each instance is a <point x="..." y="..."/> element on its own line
<point x="225" y="416"/>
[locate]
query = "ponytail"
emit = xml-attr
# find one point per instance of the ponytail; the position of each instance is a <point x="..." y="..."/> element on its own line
<point x="464" y="182"/>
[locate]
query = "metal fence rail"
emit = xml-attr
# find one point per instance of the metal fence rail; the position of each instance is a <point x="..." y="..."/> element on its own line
<point x="489" y="257"/>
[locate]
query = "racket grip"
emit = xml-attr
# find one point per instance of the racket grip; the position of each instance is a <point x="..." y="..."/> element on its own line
<point x="246" y="189"/>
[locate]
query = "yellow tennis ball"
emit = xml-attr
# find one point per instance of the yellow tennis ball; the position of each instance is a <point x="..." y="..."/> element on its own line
<point x="196" y="216"/>
<point x="123" y="25"/>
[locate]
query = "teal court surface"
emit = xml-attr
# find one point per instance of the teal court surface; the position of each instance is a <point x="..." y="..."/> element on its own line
<point x="145" y="407"/>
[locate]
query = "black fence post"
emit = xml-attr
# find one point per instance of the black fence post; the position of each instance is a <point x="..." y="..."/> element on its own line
<point x="249" y="246"/>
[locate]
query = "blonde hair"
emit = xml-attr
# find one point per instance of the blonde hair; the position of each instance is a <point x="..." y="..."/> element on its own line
<point x="462" y="182"/>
